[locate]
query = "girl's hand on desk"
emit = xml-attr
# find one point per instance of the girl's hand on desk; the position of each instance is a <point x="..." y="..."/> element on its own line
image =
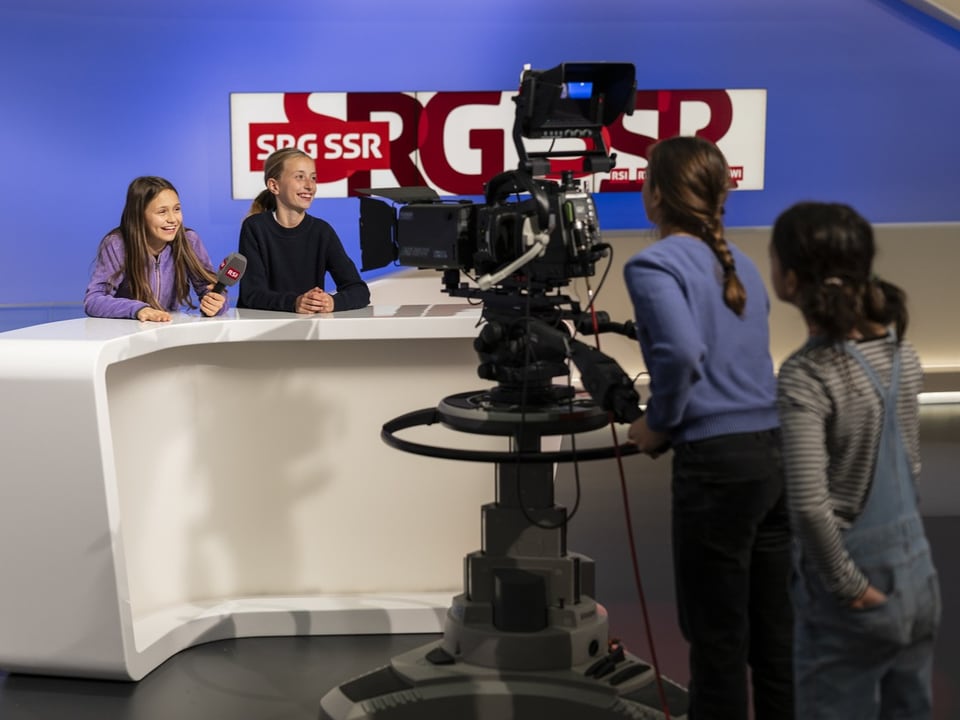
<point x="149" y="314"/>
<point x="314" y="301"/>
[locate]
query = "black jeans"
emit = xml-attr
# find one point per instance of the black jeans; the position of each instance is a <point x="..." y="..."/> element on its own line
<point x="731" y="554"/>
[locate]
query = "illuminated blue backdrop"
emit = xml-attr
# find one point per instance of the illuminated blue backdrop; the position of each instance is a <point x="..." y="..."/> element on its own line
<point x="862" y="104"/>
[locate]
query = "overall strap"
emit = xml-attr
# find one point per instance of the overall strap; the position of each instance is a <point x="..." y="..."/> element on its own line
<point x="890" y="393"/>
<point x="892" y="478"/>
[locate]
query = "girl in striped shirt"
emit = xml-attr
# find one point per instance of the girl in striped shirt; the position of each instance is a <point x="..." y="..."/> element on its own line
<point x="865" y="592"/>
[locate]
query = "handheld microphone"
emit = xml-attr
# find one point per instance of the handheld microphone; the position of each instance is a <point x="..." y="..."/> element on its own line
<point x="231" y="270"/>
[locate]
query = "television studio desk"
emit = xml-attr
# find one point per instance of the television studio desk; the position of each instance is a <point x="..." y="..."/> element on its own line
<point x="166" y="485"/>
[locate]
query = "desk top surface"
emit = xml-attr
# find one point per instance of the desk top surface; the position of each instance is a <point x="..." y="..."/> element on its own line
<point x="438" y="320"/>
<point x="36" y="349"/>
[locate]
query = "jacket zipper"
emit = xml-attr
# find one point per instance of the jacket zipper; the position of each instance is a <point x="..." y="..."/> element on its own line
<point x="157" y="273"/>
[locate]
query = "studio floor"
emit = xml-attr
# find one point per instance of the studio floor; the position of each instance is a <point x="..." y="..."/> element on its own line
<point x="246" y="679"/>
<point x="284" y="678"/>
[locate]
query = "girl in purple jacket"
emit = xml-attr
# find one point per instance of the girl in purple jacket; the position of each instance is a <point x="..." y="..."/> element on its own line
<point x="146" y="266"/>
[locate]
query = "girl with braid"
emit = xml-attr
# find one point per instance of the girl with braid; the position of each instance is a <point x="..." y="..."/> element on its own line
<point x="865" y="590"/>
<point x="701" y="310"/>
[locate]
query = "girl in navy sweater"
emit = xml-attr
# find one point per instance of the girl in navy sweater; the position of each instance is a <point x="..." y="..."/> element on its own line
<point x="289" y="252"/>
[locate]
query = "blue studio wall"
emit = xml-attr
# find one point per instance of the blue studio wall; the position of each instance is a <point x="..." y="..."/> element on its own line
<point x="863" y="100"/>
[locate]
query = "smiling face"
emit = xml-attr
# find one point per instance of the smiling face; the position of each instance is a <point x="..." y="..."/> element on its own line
<point x="297" y="184"/>
<point x="162" y="219"/>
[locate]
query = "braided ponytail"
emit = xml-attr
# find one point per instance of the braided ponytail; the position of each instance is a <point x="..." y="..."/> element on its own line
<point x="692" y="178"/>
<point x="734" y="294"/>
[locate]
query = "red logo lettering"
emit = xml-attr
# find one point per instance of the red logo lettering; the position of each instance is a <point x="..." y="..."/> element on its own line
<point x="402" y="149"/>
<point x="340" y="148"/>
<point x="489" y="142"/>
<point x="736" y="175"/>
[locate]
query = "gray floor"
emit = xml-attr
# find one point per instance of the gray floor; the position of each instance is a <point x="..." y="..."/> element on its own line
<point x="248" y="679"/>
<point x="284" y="678"/>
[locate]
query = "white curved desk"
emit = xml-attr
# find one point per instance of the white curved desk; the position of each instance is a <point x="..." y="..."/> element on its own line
<point x="167" y="485"/>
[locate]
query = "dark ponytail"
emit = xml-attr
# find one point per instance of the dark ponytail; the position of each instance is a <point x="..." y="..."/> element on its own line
<point x="887" y="304"/>
<point x="830" y="248"/>
<point x="834" y="305"/>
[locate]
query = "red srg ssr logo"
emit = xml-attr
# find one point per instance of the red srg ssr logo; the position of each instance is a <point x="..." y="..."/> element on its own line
<point x="336" y="145"/>
<point x="340" y="148"/>
<point x="232" y="273"/>
<point x="456" y="141"/>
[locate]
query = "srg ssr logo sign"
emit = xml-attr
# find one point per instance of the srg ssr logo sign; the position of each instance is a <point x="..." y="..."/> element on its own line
<point x="454" y="142"/>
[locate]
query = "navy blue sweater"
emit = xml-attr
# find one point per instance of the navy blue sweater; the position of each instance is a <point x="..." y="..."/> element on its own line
<point x="283" y="263"/>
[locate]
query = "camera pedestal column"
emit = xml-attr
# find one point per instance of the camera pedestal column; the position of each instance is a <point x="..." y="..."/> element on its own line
<point x="525" y="640"/>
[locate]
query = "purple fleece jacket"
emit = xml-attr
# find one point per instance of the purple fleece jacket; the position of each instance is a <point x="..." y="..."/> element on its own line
<point x="108" y="294"/>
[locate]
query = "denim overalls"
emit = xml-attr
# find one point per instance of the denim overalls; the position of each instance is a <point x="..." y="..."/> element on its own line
<point x="877" y="662"/>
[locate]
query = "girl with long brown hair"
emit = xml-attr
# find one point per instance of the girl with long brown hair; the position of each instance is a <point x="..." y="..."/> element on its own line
<point x="146" y="267"/>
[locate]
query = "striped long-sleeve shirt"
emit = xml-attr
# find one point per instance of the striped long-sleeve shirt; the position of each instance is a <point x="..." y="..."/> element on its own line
<point x="831" y="418"/>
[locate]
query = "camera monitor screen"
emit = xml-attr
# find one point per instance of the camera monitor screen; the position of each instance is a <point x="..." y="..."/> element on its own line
<point x="578" y="90"/>
<point x="575" y="97"/>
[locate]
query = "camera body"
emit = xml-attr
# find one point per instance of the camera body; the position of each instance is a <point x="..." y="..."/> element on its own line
<point x="530" y="232"/>
<point x="559" y="219"/>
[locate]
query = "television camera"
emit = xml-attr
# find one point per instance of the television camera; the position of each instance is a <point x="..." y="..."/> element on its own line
<point x="528" y="240"/>
<point x="525" y="638"/>
<point x="541" y="241"/>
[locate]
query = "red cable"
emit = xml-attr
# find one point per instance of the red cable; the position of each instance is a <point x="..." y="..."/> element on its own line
<point x="633" y="548"/>
<point x="636" y="576"/>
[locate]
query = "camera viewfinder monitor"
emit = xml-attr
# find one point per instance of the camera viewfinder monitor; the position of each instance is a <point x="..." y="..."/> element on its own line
<point x="574" y="99"/>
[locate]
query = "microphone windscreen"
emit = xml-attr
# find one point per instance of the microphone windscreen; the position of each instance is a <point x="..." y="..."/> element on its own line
<point x="231" y="269"/>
